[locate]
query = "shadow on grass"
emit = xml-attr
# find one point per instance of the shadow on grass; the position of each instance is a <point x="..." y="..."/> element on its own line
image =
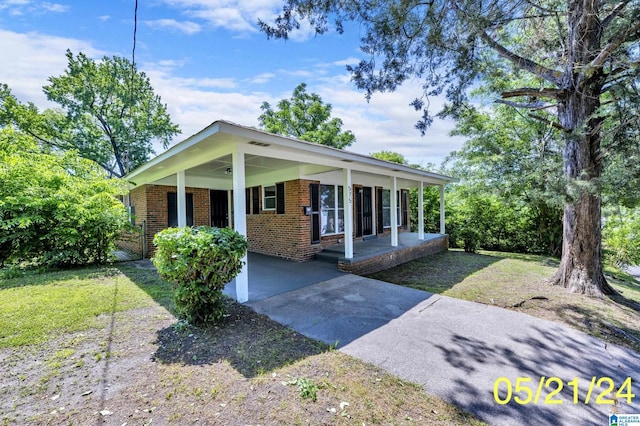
<point x="438" y="272"/>
<point x="250" y="342"/>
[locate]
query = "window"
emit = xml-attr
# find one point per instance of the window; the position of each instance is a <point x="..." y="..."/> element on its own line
<point x="273" y="198"/>
<point x="269" y="197"/>
<point x="386" y="208"/>
<point x="331" y="209"/>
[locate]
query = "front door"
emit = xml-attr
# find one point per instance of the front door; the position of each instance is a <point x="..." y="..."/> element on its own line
<point x="219" y="208"/>
<point x="364" y="211"/>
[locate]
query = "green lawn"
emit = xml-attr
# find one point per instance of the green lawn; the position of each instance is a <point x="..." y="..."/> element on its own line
<point x="35" y="306"/>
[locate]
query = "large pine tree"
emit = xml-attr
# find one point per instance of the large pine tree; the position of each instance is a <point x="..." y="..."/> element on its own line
<point x="583" y="55"/>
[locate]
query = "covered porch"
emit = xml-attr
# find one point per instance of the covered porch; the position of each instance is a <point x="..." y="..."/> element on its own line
<point x="273" y="190"/>
<point x="375" y="254"/>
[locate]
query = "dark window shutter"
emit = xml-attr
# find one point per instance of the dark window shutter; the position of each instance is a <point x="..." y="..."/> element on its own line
<point x="189" y="200"/>
<point x="247" y="200"/>
<point x="280" y="198"/>
<point x="172" y="207"/>
<point x="314" y="190"/>
<point x="256" y="199"/>
<point x="380" y="211"/>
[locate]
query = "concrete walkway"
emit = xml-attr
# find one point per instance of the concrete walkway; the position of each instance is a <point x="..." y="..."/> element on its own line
<point x="457" y="349"/>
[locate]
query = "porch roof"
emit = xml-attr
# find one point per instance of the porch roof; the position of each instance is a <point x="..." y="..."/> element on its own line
<point x="206" y="156"/>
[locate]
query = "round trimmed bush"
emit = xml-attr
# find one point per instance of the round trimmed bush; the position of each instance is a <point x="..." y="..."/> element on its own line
<point x="199" y="262"/>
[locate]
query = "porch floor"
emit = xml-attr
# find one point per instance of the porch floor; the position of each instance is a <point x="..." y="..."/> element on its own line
<point x="372" y="247"/>
<point x="270" y="276"/>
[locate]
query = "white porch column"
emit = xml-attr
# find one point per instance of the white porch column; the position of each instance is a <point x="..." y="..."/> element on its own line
<point x="421" y="211"/>
<point x="181" y="197"/>
<point x="240" y="220"/>
<point x="347" y="195"/>
<point x="442" y="230"/>
<point x="394" y="212"/>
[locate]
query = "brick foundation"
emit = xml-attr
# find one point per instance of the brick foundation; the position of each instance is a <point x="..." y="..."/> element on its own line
<point x="394" y="257"/>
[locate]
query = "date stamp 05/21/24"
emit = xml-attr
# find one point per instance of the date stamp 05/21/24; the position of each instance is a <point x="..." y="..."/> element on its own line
<point x="546" y="390"/>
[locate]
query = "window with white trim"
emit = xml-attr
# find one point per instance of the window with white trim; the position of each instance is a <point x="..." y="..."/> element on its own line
<point x="269" y="197"/>
<point x="386" y="208"/>
<point x="331" y="209"/>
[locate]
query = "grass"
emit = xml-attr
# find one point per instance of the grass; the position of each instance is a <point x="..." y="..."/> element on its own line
<point x="78" y="343"/>
<point x="35" y="306"/>
<point x="519" y="282"/>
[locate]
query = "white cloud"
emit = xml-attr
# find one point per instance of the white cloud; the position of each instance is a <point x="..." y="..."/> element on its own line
<point x="30" y="58"/>
<point x="54" y="7"/>
<point x="262" y="78"/>
<point x="186" y="27"/>
<point x="104" y="18"/>
<point x="21" y="7"/>
<point x="387" y="122"/>
<point x="236" y="15"/>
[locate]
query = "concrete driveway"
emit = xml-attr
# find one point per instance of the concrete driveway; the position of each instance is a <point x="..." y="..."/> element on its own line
<point x="457" y="349"/>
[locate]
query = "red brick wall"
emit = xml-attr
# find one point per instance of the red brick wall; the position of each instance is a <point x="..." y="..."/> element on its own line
<point x="157" y="212"/>
<point x="285" y="235"/>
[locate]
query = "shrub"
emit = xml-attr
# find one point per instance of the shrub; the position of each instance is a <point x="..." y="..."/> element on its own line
<point x="470" y="239"/>
<point x="55" y="209"/>
<point x="199" y="262"/>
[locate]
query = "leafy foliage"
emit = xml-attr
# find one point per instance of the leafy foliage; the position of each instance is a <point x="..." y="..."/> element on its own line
<point x="109" y="115"/>
<point x="394" y="157"/>
<point x="621" y="237"/>
<point x="55" y="210"/>
<point x="510" y="188"/>
<point x="199" y="262"/>
<point x="305" y="117"/>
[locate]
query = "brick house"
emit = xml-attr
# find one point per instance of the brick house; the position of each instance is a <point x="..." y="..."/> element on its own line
<point x="290" y="198"/>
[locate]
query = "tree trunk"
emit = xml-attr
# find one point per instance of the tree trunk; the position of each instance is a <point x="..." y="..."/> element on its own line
<point x="580" y="268"/>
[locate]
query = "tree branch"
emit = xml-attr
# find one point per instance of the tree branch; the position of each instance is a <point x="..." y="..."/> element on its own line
<point x="553" y="124"/>
<point x="544" y="92"/>
<point x="531" y="105"/>
<point x="614" y="13"/>
<point x="602" y="57"/>
<point x="541" y="71"/>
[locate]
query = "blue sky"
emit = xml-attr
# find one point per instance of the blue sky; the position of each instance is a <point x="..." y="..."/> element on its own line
<point x="208" y="61"/>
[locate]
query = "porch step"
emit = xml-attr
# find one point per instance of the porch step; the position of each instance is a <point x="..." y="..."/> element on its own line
<point x="329" y="256"/>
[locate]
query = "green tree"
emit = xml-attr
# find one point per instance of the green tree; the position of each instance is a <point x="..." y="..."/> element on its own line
<point x="581" y="55"/>
<point x="394" y="157"/>
<point x="55" y="209"/>
<point x="109" y="113"/>
<point x="516" y="162"/>
<point x="305" y="117"/>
